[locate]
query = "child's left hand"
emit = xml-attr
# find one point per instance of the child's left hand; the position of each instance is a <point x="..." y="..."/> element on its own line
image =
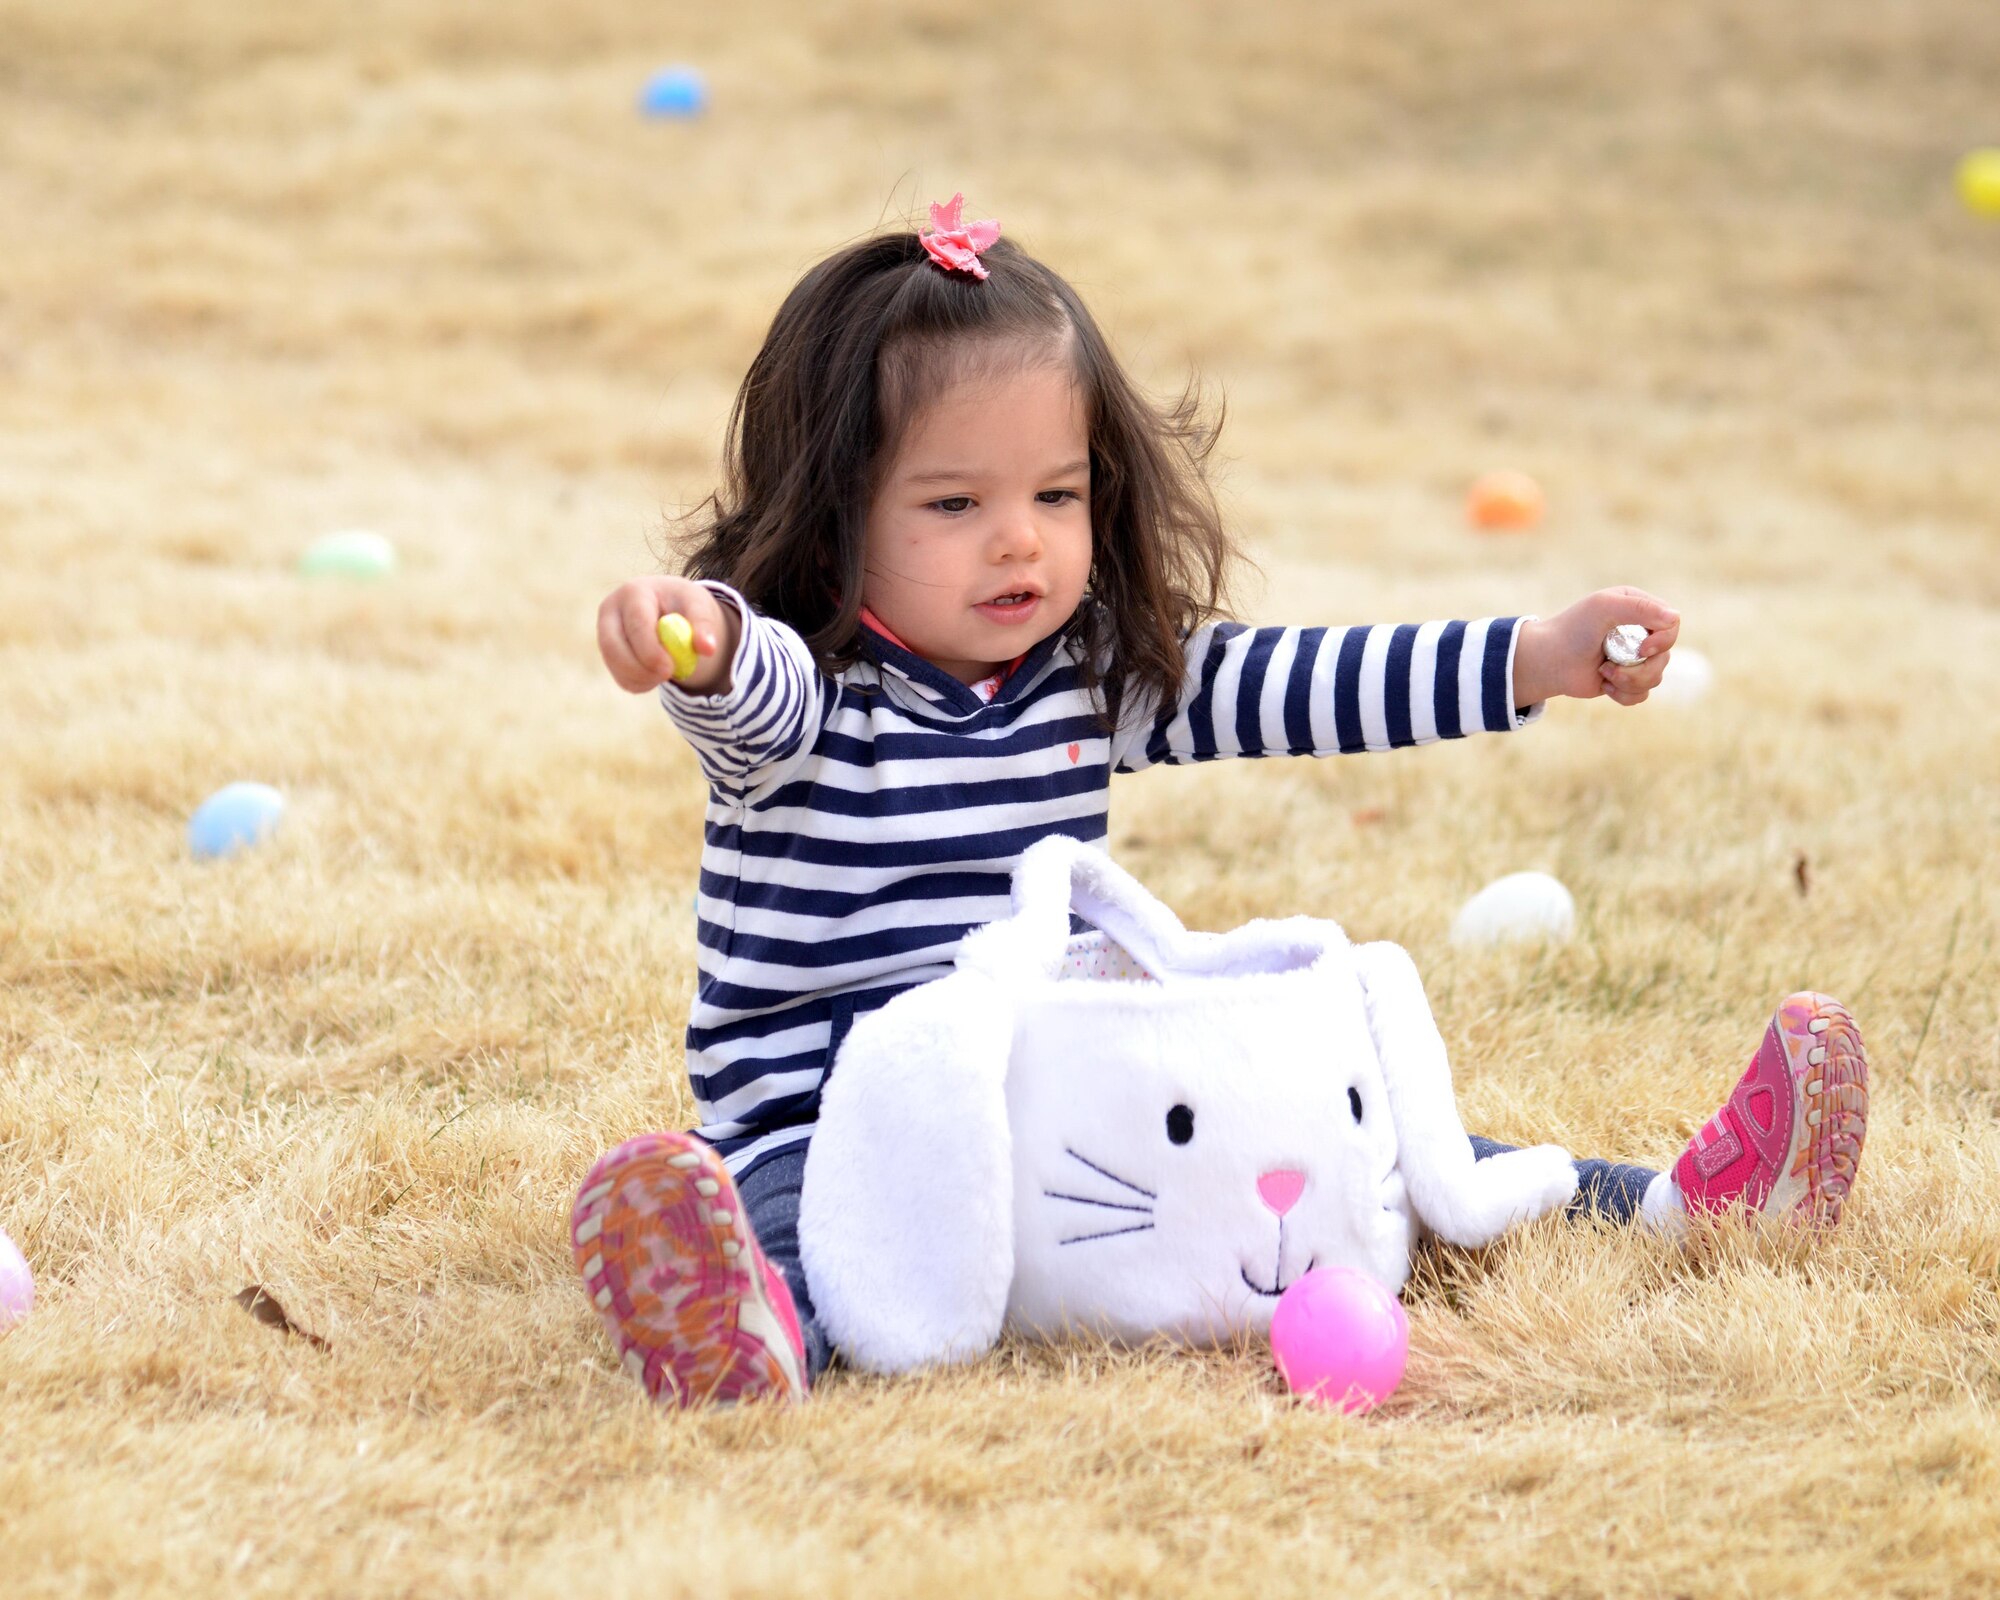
<point x="1564" y="654"/>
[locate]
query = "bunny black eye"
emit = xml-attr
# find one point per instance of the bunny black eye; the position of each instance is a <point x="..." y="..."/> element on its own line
<point x="1180" y="1124"/>
<point x="1354" y="1101"/>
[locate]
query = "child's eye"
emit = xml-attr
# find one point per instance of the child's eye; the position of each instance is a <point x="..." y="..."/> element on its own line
<point x="952" y="504"/>
<point x="1056" y="497"/>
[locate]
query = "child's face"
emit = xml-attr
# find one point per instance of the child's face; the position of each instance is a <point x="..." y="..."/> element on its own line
<point x="978" y="538"/>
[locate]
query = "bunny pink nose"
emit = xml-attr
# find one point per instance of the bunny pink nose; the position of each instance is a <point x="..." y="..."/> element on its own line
<point x="1281" y="1189"/>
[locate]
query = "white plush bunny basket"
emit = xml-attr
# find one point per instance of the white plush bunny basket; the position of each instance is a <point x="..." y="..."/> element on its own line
<point x="1141" y="1130"/>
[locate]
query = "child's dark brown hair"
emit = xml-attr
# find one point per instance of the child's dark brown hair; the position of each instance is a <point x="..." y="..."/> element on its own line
<point x="857" y="344"/>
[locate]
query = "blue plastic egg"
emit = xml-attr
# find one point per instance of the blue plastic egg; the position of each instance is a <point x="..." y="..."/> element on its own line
<point x="674" y="92"/>
<point x="233" y="817"/>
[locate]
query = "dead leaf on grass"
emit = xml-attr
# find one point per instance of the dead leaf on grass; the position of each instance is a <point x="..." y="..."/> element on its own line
<point x="266" y="1310"/>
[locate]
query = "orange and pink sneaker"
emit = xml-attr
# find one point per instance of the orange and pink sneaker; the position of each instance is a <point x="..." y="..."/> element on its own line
<point x="1788" y="1139"/>
<point x="694" y="1310"/>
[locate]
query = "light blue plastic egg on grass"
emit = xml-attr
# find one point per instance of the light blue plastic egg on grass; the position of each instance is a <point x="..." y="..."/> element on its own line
<point x="233" y="818"/>
<point x="674" y="92"/>
<point x="354" y="553"/>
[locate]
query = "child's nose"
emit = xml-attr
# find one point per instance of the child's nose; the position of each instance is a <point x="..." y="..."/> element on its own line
<point x="1280" y="1189"/>
<point x="1020" y="539"/>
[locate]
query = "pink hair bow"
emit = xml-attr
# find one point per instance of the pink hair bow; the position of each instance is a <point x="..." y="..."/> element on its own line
<point x="955" y="245"/>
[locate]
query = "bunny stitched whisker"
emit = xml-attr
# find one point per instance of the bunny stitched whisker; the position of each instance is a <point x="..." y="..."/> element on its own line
<point x="1101" y="1172"/>
<point x="1113" y="1233"/>
<point x="1109" y="1205"/>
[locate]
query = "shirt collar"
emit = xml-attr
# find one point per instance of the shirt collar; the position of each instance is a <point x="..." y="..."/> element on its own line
<point x="879" y="641"/>
<point x="870" y="620"/>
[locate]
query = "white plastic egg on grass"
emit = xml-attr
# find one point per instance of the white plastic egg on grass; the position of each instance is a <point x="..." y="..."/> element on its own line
<point x="1522" y="905"/>
<point x="1688" y="678"/>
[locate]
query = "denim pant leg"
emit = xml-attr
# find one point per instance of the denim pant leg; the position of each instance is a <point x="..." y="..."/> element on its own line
<point x="1603" y="1188"/>
<point x="771" y="1202"/>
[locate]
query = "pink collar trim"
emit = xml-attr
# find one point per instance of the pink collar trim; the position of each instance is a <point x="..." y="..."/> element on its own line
<point x="870" y="620"/>
<point x="876" y="624"/>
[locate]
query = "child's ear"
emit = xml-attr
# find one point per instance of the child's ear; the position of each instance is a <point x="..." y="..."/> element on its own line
<point x="906" y="1218"/>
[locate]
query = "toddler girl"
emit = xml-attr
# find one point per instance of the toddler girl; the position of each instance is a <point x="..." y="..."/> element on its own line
<point x="960" y="572"/>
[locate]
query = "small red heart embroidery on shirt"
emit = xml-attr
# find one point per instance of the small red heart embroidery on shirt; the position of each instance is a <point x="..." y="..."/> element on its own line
<point x="1075" y="750"/>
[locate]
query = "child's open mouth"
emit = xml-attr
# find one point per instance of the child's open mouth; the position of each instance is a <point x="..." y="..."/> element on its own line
<point x="1009" y="607"/>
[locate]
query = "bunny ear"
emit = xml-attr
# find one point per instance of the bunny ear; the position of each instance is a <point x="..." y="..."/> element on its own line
<point x="906" y="1215"/>
<point x="1463" y="1201"/>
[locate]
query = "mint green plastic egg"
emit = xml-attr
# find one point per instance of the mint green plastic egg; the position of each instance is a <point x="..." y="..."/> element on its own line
<point x="355" y="553"/>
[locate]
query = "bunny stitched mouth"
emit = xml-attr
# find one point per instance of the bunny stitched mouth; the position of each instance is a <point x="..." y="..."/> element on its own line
<point x="1278" y="1284"/>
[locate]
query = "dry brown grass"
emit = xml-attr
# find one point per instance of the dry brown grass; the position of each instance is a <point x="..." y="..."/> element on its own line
<point x="268" y="270"/>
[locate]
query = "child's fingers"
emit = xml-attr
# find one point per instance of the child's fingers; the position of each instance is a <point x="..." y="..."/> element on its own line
<point x="1660" y="620"/>
<point x="1639" y="606"/>
<point x="616" y="649"/>
<point x="1629" y="685"/>
<point x="1622" y="688"/>
<point x="704" y="618"/>
<point x="639" y="617"/>
<point x="1646" y="675"/>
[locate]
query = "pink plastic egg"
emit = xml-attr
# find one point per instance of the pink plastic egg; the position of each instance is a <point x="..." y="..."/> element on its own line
<point x="17" y="1285"/>
<point x="1340" y="1339"/>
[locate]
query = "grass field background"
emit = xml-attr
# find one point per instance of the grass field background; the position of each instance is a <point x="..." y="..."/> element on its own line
<point x="270" y="271"/>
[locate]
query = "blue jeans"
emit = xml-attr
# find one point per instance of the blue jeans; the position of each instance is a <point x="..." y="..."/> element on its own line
<point x="771" y="1201"/>
<point x="1603" y="1188"/>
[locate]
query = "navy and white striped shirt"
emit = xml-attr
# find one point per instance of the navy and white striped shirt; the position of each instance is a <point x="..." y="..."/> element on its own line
<point x="860" y="825"/>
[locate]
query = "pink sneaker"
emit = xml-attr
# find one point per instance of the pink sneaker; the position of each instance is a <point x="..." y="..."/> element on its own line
<point x="694" y="1310"/>
<point x="1788" y="1139"/>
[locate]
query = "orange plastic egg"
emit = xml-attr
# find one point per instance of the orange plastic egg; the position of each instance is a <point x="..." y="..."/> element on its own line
<point x="1504" y="501"/>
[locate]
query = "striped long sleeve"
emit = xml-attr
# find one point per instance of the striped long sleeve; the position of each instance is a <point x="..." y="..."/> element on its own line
<point x="1328" y="691"/>
<point x="766" y="717"/>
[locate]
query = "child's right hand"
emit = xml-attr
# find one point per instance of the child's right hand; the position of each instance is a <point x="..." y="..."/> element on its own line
<point x="628" y="635"/>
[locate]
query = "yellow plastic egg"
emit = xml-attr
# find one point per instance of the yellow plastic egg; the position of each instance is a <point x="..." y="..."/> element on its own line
<point x="1979" y="182"/>
<point x="677" y="639"/>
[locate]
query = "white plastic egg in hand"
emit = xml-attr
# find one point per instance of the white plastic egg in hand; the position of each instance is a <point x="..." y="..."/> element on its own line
<point x="1621" y="644"/>
<point x="1522" y="905"/>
